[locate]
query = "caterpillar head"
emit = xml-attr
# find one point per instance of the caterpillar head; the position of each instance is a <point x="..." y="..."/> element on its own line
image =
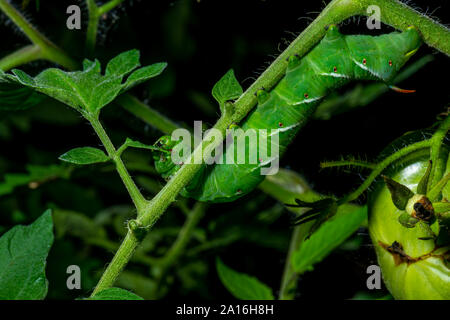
<point x="163" y="158"/>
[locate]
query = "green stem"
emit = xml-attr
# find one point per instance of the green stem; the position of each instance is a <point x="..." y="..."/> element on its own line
<point x="439" y="161"/>
<point x="91" y="34"/>
<point x="21" y="56"/>
<point x="108" y="6"/>
<point x="95" y="13"/>
<point x="347" y="163"/>
<point x="109" y="245"/>
<point x="121" y="258"/>
<point x="48" y="50"/>
<point x="147" y="114"/>
<point x="383" y="165"/>
<point x="138" y="199"/>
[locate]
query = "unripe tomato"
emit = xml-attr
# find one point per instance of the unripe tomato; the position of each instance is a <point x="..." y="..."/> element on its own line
<point x="412" y="268"/>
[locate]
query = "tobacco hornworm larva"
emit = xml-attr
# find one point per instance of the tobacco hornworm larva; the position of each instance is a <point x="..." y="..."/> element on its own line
<point x="335" y="61"/>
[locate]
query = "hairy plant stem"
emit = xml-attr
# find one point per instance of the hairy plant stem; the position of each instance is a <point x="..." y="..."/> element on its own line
<point x="138" y="199"/>
<point x="382" y="166"/>
<point x="439" y="162"/>
<point x="47" y="49"/>
<point x="121" y="258"/>
<point x="394" y="13"/>
<point x="22" y="56"/>
<point x="95" y="13"/>
<point x="147" y="114"/>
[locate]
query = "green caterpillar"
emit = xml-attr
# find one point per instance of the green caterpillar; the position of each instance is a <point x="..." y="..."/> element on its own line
<point x="334" y="62"/>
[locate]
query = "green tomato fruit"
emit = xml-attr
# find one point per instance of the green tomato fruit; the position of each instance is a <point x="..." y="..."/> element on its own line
<point x="412" y="268"/>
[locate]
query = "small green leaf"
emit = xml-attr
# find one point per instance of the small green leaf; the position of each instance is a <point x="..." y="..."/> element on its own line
<point x="23" y="77"/>
<point x="422" y="187"/>
<point x="144" y="74"/>
<point x="115" y="294"/>
<point x="135" y="144"/>
<point x="227" y="88"/>
<point x="84" y="155"/>
<point x="23" y="254"/>
<point x="400" y="194"/>
<point x="123" y="64"/>
<point x="330" y="235"/>
<point x="95" y="65"/>
<point x="241" y="285"/>
<point x="437" y="189"/>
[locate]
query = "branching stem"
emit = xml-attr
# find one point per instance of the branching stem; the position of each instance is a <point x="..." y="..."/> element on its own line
<point x="138" y="199"/>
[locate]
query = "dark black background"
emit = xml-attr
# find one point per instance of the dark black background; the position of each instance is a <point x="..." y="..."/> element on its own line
<point x="201" y="40"/>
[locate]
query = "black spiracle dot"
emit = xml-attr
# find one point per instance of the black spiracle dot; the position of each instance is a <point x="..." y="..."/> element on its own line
<point x="280" y="124"/>
<point x="335" y="69"/>
<point x="364" y="61"/>
<point x="306" y="95"/>
<point x="390" y="63"/>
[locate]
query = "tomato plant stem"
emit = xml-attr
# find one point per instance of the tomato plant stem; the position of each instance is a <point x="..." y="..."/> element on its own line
<point x="24" y="55"/>
<point x="382" y="166"/>
<point x="138" y="199"/>
<point x="48" y="50"/>
<point x="121" y="258"/>
<point x="438" y="159"/>
<point x="147" y="114"/>
<point x="95" y="14"/>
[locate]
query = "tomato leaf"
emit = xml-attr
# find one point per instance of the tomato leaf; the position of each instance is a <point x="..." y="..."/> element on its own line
<point x="123" y="63"/>
<point x="23" y="254"/>
<point x="329" y="236"/>
<point x="227" y="88"/>
<point x="241" y="285"/>
<point x="115" y="294"/>
<point x="144" y="74"/>
<point x="88" y="91"/>
<point x="84" y="155"/>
